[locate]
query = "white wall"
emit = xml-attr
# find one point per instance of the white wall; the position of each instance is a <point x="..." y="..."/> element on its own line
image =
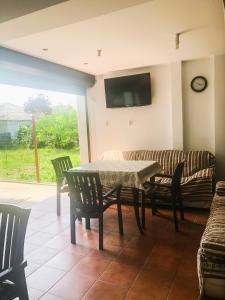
<point x="178" y="118"/>
<point x="177" y="105"/>
<point x="218" y="63"/>
<point x="198" y="108"/>
<point x="147" y="127"/>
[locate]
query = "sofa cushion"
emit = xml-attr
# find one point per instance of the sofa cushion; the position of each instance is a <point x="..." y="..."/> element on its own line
<point x="213" y="239"/>
<point x="130" y="155"/>
<point x="220" y="188"/>
<point x="211" y="254"/>
<point x="197" y="160"/>
<point x="168" y="159"/>
<point x="197" y="180"/>
<point x="198" y="187"/>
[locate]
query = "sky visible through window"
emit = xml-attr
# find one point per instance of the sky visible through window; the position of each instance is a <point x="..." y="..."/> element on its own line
<point x="19" y="95"/>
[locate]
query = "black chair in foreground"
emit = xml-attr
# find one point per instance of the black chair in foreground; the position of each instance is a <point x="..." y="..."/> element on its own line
<point x="88" y="201"/>
<point x="60" y="165"/>
<point x="168" y="192"/>
<point x="13" y="224"/>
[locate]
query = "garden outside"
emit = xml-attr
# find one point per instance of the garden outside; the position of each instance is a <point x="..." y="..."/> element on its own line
<point x="19" y="163"/>
<point x="56" y="132"/>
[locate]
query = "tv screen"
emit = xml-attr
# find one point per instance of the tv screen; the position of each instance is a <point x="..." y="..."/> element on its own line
<point x="134" y="90"/>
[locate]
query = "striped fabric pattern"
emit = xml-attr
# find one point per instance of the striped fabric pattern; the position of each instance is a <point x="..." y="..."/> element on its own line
<point x="211" y="254"/>
<point x="220" y="188"/>
<point x="213" y="239"/>
<point x="130" y="155"/>
<point x="198" y="176"/>
<point x="198" y="160"/>
<point x="168" y="159"/>
<point x="198" y="186"/>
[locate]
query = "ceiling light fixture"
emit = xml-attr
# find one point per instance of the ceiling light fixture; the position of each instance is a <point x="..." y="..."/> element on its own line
<point x="85" y="63"/>
<point x="44" y="49"/>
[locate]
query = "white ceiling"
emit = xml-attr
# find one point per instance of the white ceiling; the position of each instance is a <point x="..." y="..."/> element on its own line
<point x="131" y="33"/>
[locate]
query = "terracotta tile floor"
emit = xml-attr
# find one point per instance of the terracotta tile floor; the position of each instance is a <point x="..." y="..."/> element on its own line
<point x="159" y="265"/>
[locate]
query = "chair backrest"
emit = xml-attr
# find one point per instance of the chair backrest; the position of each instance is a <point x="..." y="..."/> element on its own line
<point x="13" y="224"/>
<point x="60" y="165"/>
<point x="177" y="175"/>
<point x="85" y="191"/>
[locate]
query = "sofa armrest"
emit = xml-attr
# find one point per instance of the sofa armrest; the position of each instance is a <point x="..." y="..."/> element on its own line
<point x="220" y="188"/>
<point x="204" y="173"/>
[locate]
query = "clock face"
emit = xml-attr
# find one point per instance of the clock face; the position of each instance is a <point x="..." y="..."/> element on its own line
<point x="199" y="84"/>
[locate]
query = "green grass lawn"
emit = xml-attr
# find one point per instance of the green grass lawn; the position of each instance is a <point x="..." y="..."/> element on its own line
<point x="19" y="163"/>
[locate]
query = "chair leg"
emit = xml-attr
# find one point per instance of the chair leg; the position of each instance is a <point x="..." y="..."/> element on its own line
<point x="72" y="228"/>
<point x="120" y="217"/>
<point x="143" y="209"/>
<point x="136" y="209"/>
<point x="21" y="285"/>
<point x="181" y="209"/>
<point x="175" y="215"/>
<point x="88" y="224"/>
<point x="154" y="209"/>
<point x="58" y="203"/>
<point x="153" y="203"/>
<point x="101" y="231"/>
<point x="119" y="211"/>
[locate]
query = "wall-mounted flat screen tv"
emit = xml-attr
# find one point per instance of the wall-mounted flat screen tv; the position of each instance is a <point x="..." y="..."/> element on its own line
<point x="126" y="91"/>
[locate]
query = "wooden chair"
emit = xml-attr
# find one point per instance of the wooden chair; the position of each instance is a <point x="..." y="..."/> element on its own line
<point x="13" y="223"/>
<point x="169" y="192"/>
<point x="60" y="165"/>
<point x="88" y="201"/>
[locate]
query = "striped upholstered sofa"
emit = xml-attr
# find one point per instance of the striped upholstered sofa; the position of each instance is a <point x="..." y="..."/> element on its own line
<point x="211" y="254"/>
<point x="198" y="175"/>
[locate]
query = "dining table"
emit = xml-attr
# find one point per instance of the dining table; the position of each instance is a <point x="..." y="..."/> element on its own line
<point x="127" y="173"/>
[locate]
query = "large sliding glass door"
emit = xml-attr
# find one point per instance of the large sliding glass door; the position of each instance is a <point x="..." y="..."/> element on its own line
<point x="57" y="132"/>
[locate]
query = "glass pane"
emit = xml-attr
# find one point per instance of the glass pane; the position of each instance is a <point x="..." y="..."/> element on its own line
<point x="15" y="161"/>
<point x="56" y="131"/>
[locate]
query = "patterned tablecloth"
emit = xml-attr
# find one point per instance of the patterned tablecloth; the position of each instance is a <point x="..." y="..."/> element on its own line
<point x="128" y="173"/>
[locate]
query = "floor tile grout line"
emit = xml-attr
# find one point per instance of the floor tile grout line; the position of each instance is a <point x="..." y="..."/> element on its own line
<point x="66" y="273"/>
<point x="96" y="279"/>
<point x="165" y="225"/>
<point x="135" y="279"/>
<point x="54" y="284"/>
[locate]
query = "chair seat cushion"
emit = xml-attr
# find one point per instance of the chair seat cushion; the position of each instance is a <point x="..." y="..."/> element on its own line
<point x="7" y="290"/>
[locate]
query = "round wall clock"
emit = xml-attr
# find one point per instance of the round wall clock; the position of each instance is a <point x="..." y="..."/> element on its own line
<point x="199" y="84"/>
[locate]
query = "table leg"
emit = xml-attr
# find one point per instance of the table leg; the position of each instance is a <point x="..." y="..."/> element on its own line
<point x="136" y="208"/>
<point x="154" y="209"/>
<point x="143" y="209"/>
